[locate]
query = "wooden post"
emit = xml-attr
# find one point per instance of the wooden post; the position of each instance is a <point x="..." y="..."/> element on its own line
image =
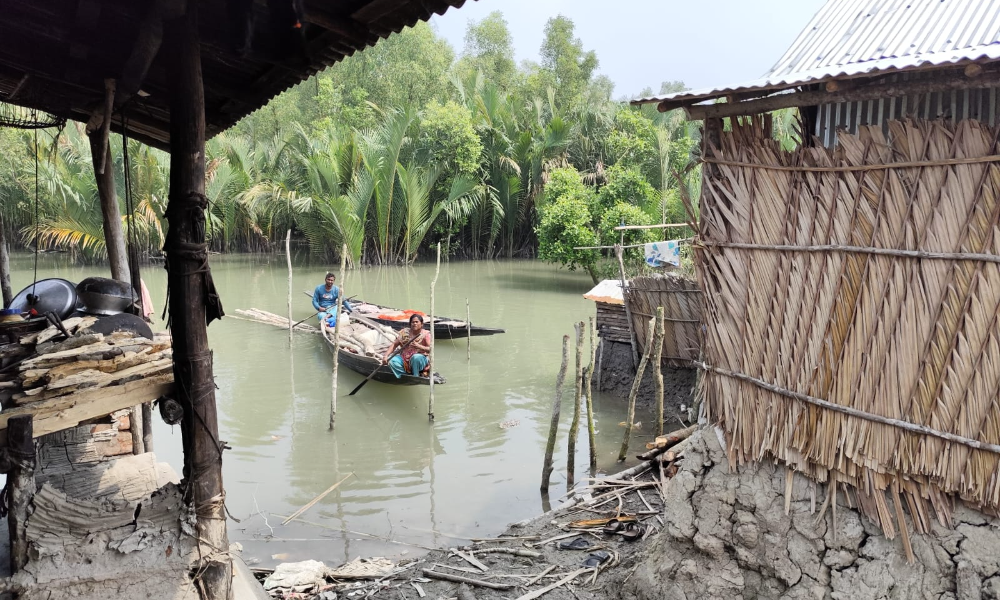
<point x="430" y="401"/>
<point x="574" y="426"/>
<point x="21" y="484"/>
<point x="135" y="429"/>
<point x="147" y="427"/>
<point x="8" y="293"/>
<point x="628" y="311"/>
<point x="550" y="447"/>
<point x="336" y="335"/>
<point x="113" y="237"/>
<point x="288" y="259"/>
<point x="190" y="285"/>
<point x="635" y="391"/>
<point x="468" y="331"/>
<point x="591" y="430"/>
<point x="600" y="362"/>
<point x="658" y="366"/>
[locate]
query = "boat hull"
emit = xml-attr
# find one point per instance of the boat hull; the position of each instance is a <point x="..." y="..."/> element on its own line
<point x="365" y="364"/>
<point x="448" y="329"/>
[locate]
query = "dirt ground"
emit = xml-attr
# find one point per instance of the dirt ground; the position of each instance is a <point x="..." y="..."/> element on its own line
<point x="617" y="376"/>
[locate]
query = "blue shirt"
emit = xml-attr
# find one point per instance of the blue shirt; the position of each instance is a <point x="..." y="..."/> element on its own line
<point x="324" y="299"/>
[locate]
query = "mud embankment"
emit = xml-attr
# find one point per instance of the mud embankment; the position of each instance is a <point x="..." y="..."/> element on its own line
<point x="726" y="535"/>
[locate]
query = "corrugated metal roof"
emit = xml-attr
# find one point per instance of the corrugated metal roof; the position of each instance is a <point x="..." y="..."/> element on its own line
<point x="849" y="38"/>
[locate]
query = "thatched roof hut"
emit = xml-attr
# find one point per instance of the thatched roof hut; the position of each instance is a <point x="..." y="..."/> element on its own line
<point x="852" y="285"/>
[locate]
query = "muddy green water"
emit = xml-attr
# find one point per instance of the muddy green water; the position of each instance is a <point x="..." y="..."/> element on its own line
<point x="415" y="482"/>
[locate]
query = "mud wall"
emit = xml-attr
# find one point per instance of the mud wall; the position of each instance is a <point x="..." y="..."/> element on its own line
<point x="727" y="535"/>
<point x="617" y="376"/>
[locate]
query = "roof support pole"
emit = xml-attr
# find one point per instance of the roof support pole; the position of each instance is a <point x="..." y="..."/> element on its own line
<point x="112" y="216"/>
<point x="19" y="463"/>
<point x="191" y="290"/>
<point x="8" y="292"/>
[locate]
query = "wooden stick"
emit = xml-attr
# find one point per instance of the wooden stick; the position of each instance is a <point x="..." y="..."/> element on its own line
<point x="430" y="401"/>
<point x="600" y="363"/>
<point x="667" y="442"/>
<point x="591" y="430"/>
<point x="468" y="332"/>
<point x="554" y="425"/>
<point x="635" y="391"/>
<point x="313" y="502"/>
<point x="920" y="254"/>
<point x="628" y="309"/>
<point x="660" y="226"/>
<point x="288" y="259"/>
<point x="459" y="579"/>
<point x="550" y="587"/>
<point x="951" y="437"/>
<point x="658" y="367"/>
<point x="336" y="335"/>
<point x="511" y="551"/>
<point x="574" y="426"/>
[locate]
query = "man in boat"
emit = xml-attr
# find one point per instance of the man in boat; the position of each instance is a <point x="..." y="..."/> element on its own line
<point x="325" y="298"/>
<point x="413" y="358"/>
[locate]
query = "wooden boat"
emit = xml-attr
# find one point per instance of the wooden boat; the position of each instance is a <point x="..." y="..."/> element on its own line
<point x="444" y="327"/>
<point x="355" y="343"/>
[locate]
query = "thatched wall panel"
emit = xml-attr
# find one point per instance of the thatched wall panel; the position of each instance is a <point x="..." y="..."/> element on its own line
<point x="915" y="339"/>
<point x="681" y="302"/>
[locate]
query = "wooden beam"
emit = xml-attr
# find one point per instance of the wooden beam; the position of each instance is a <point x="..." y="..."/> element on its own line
<point x="190" y="291"/>
<point x="872" y="91"/>
<point x="62" y="412"/>
<point x="111" y="215"/>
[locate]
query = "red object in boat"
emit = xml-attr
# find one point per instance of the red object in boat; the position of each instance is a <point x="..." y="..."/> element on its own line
<point x="403" y="317"/>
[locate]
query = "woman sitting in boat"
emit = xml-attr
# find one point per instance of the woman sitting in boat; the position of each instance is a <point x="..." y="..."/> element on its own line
<point x="413" y="358"/>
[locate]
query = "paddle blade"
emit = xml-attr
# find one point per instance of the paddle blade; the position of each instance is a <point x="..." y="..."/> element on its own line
<point x="360" y="385"/>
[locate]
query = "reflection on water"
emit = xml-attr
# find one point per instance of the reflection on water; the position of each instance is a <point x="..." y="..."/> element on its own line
<point x="414" y="481"/>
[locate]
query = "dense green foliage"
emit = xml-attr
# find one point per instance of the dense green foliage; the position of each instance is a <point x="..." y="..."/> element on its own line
<point x="392" y="150"/>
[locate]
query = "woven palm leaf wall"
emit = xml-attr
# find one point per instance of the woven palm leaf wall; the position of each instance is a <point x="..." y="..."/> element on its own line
<point x="851" y="303"/>
<point x="681" y="302"/>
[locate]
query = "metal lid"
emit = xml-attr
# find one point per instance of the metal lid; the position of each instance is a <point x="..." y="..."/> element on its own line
<point x="56" y="295"/>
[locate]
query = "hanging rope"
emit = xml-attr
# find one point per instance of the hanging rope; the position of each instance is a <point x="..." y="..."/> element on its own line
<point x="130" y="233"/>
<point x="32" y="299"/>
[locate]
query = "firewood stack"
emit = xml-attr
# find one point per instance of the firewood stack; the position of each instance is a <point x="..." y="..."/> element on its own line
<point x="53" y="366"/>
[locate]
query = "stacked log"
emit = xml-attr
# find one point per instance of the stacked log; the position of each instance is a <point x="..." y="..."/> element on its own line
<point x="54" y="366"/>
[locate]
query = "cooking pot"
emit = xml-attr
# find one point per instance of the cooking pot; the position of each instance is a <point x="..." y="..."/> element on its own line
<point x="104" y="296"/>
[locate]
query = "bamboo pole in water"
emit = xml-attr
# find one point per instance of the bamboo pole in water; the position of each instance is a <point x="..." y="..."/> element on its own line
<point x="288" y="259"/>
<point x="430" y="401"/>
<point x="336" y="337"/>
<point x="468" y="331"/>
<point x="591" y="431"/>
<point x="658" y="367"/>
<point x="574" y="427"/>
<point x="554" y="425"/>
<point x="635" y="391"/>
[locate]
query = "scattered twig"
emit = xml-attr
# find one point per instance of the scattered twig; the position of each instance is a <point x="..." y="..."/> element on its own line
<point x="535" y="579"/>
<point x="553" y="539"/>
<point x="313" y="502"/>
<point x="469" y="558"/>
<point x="504" y="539"/>
<point x="420" y="590"/>
<point x="511" y="551"/>
<point x="454" y="568"/>
<point x="262" y="515"/>
<point x="363" y="534"/>
<point x="550" y="587"/>
<point x="459" y="579"/>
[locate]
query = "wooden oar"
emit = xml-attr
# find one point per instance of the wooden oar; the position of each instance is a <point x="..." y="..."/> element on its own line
<point x="367" y="379"/>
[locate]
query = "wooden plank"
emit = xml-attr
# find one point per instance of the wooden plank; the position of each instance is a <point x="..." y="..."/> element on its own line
<point x="56" y="414"/>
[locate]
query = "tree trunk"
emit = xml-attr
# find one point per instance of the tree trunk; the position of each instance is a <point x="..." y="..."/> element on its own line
<point x="190" y="287"/>
<point x="113" y="236"/>
<point x="8" y="293"/>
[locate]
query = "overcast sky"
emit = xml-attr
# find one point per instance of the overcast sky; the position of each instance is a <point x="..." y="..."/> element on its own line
<point x="641" y="43"/>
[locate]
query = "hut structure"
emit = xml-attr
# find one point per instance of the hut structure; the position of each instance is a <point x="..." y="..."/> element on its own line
<point x="852" y="284"/>
<point x="169" y="73"/>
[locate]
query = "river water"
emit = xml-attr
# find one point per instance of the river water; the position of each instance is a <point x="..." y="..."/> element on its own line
<point x="417" y="483"/>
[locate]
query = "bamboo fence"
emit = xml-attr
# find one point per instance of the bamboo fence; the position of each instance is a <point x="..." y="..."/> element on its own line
<point x="851" y="299"/>
<point x="681" y="302"/>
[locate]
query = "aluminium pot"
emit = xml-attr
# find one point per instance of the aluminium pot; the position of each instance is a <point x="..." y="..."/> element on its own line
<point x="104" y="296"/>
